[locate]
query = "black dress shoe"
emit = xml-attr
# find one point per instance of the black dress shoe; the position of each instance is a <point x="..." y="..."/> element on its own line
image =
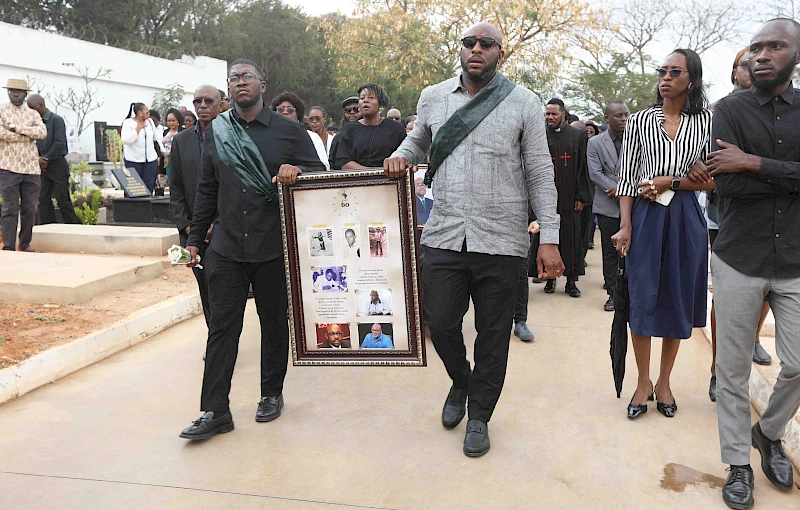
<point x="476" y="441"/>
<point x="712" y="389"/>
<point x="572" y="289"/>
<point x="738" y="490"/>
<point x="773" y="461"/>
<point x="609" y="306"/>
<point x="760" y="356"/>
<point x="269" y="408"/>
<point x="208" y="425"/>
<point x="550" y="287"/>
<point x="455" y="407"/>
<point x="536" y="279"/>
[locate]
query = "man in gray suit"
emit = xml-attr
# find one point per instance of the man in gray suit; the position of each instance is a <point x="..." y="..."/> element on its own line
<point x="603" y="155"/>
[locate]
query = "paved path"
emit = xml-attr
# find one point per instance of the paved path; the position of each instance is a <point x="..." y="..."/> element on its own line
<point x="107" y="437"/>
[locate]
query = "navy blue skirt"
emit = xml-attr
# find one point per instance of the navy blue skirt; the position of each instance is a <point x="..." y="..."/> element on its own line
<point x="667" y="267"/>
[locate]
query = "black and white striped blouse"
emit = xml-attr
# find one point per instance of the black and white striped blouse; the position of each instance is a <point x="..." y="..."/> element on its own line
<point x="647" y="150"/>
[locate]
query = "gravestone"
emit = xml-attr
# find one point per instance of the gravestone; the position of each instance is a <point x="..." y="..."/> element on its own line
<point x="131" y="182"/>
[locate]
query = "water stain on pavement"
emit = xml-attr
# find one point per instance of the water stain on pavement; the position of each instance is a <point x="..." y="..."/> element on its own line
<point x="677" y="477"/>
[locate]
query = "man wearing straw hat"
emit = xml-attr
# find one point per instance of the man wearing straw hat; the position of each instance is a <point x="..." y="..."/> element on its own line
<point x="20" y="127"/>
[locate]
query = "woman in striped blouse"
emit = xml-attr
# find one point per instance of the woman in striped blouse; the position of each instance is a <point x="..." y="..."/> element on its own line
<point x="662" y="231"/>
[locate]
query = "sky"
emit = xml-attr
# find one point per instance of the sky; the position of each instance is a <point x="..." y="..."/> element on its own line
<point x="717" y="62"/>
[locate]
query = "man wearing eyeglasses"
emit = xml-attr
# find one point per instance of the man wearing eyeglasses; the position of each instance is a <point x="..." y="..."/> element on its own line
<point x="187" y="151"/>
<point x="394" y="114"/>
<point x="246" y="248"/>
<point x="489" y="159"/>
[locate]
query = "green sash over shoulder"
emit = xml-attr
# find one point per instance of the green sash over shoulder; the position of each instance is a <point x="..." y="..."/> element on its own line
<point x="465" y="119"/>
<point x="240" y="154"/>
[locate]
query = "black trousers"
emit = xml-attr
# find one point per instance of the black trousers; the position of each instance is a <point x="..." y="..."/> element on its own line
<point x="55" y="184"/>
<point x="608" y="227"/>
<point x="200" y="276"/>
<point x="228" y="283"/>
<point x="450" y="279"/>
<point x="20" y="194"/>
<point x="521" y="303"/>
<point x="587" y="217"/>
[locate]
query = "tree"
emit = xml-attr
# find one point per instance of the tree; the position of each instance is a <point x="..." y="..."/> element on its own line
<point x="408" y="44"/>
<point x="287" y="46"/>
<point x="170" y="98"/>
<point x="701" y="24"/>
<point x="84" y="100"/>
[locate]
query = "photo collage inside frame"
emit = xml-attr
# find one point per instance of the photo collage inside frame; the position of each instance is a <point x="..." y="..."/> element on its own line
<point x="353" y="284"/>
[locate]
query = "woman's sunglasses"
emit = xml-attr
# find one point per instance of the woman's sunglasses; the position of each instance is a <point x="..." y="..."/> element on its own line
<point x="486" y="42"/>
<point x="285" y="109"/>
<point x="673" y="73"/>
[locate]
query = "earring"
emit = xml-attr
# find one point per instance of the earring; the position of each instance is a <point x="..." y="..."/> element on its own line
<point x="690" y="86"/>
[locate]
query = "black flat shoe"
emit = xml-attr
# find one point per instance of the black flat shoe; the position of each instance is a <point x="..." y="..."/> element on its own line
<point x="269" y="408"/>
<point x="760" y="356"/>
<point x="455" y="407"/>
<point x="773" y="461"/>
<point x="550" y="287"/>
<point x="738" y="490"/>
<point x="476" y="440"/>
<point x="667" y="410"/>
<point x="609" y="306"/>
<point x="634" y="411"/>
<point x="536" y="279"/>
<point x="208" y="425"/>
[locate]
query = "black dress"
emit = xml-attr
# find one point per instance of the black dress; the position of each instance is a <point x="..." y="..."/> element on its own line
<point x="368" y="145"/>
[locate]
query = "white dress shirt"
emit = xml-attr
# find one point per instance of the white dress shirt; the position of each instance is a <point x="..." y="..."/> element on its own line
<point x="138" y="147"/>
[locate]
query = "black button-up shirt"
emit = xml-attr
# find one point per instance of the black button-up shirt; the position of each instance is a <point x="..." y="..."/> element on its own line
<point x="54" y="145"/>
<point x="760" y="230"/>
<point x="248" y="228"/>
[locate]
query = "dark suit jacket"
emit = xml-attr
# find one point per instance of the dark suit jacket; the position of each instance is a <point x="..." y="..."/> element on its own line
<point x="184" y="175"/>
<point x="423" y="212"/>
<point x="604" y="173"/>
<point x="327" y="345"/>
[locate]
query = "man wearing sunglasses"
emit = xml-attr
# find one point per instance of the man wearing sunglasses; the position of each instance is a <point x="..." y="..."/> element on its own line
<point x="394" y="114"/>
<point x="187" y="150"/>
<point x="350" y="113"/>
<point x="489" y="159"/>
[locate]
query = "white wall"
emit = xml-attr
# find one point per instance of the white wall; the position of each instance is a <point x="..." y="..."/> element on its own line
<point x="135" y="77"/>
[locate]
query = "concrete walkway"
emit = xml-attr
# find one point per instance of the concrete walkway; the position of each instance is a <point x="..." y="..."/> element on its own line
<point x="370" y="437"/>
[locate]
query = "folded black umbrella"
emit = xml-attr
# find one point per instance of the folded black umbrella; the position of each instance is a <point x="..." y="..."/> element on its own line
<point x="619" y="328"/>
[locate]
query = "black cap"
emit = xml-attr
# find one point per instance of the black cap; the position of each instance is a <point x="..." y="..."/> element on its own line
<point x="351" y="99"/>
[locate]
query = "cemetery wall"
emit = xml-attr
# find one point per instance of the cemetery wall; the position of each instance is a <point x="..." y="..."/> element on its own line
<point x="52" y="62"/>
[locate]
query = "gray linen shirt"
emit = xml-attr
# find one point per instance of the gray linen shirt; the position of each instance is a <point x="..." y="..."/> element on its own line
<point x="481" y="191"/>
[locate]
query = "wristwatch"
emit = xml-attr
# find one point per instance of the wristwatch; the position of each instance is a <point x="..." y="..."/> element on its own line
<point x="676" y="184"/>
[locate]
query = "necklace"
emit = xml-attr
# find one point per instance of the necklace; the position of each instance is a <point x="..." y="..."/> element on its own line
<point x="673" y="122"/>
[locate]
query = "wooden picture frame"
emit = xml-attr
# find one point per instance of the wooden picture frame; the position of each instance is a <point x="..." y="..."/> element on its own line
<point x="351" y="261"/>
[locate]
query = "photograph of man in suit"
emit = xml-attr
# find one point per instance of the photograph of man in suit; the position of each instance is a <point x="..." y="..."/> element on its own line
<point x="603" y="154"/>
<point x="334" y="338"/>
<point x="424" y="204"/>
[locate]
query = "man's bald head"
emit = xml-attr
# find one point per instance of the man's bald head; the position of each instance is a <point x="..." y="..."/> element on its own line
<point x="36" y="102"/>
<point x="208" y="90"/>
<point x="484" y="29"/>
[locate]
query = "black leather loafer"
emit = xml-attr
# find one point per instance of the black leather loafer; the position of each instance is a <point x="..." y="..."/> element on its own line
<point x="738" y="490"/>
<point x="208" y="425"/>
<point x="476" y="441"/>
<point x="609" y="306"/>
<point x="760" y="356"/>
<point x="712" y="389"/>
<point x="550" y="287"/>
<point x="269" y="408"/>
<point x="773" y="461"/>
<point x="572" y="290"/>
<point x="455" y="407"/>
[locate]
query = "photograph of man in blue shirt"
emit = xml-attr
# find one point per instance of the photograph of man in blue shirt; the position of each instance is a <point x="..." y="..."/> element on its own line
<point x="376" y="339"/>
